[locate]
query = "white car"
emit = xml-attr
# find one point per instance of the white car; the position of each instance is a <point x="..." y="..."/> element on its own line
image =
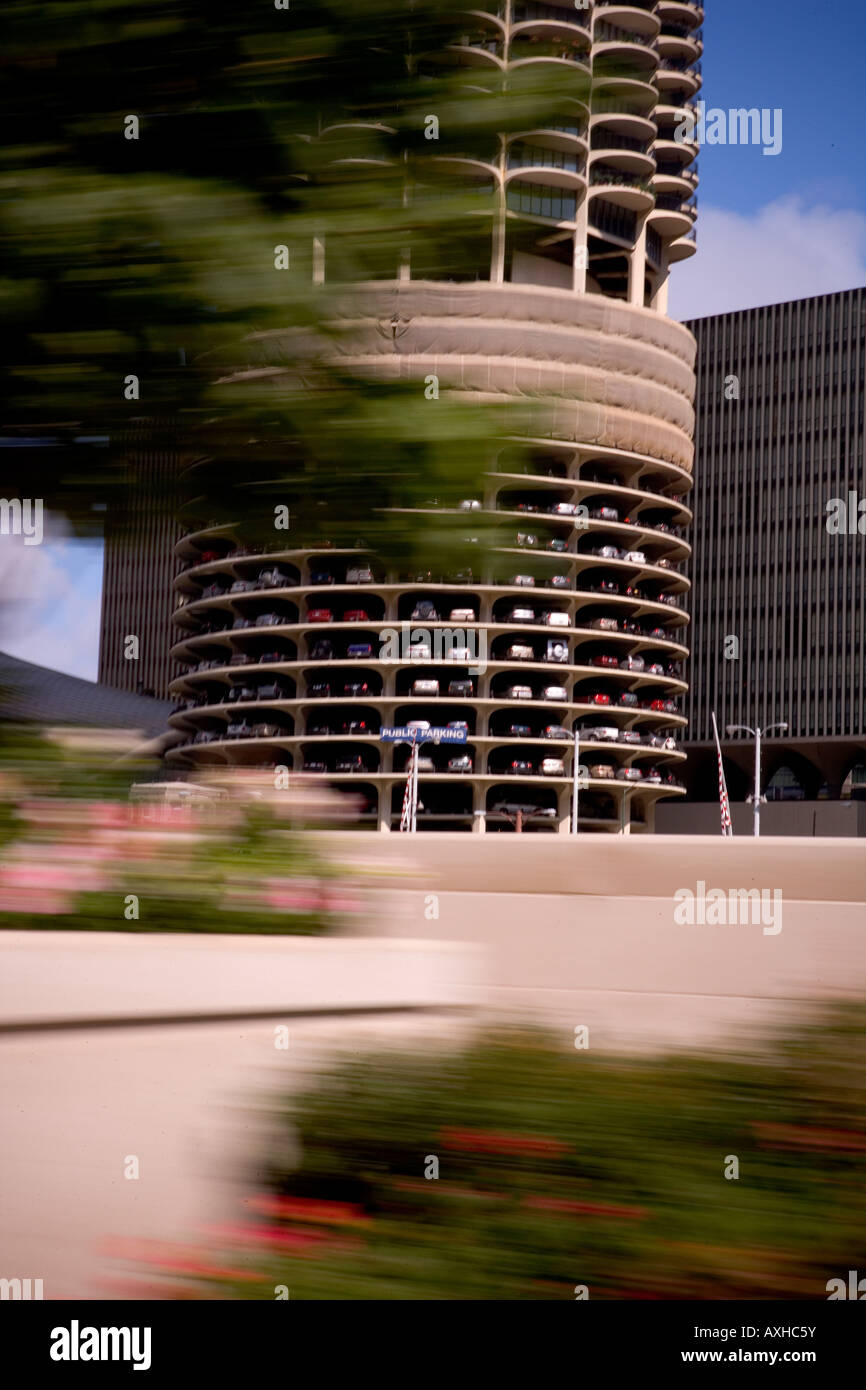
<point x="606" y="733"/>
<point x="462" y="615"/>
<point x="519" y="651"/>
<point x="425" y="687"/>
<point x="462" y="763"/>
<point x="460" y="654"/>
<point x="552" y="767"/>
<point x="555" y="692"/>
<point x="519" y="692"/>
<point x="636" y="557"/>
<point x="563" y="509"/>
<point x="556" y="620"/>
<point x="419" y="650"/>
<point x="359" y="574"/>
<point x="523" y="581"/>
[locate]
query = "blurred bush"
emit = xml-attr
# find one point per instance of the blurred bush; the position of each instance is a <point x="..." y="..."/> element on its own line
<point x="86" y="848"/>
<point x="559" y="1169"/>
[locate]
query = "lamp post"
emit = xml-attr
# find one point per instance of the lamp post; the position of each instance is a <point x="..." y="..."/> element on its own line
<point x="757" y="734"/>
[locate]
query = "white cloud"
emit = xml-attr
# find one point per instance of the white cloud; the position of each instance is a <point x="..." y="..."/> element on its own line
<point x="785" y="250"/>
<point x="51" y="601"/>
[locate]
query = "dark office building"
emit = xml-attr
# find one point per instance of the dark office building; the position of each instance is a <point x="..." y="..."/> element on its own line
<point x="779" y="549"/>
<point x="139" y="569"/>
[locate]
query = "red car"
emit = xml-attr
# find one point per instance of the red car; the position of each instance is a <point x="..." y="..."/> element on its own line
<point x="597" y="699"/>
<point x="356" y="615"/>
<point x="605" y="661"/>
<point x="320" y="615"/>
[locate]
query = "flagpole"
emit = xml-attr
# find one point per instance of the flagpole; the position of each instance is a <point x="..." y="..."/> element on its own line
<point x="724" y="804"/>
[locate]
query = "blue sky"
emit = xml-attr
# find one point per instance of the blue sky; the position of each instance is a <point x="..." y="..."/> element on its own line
<point x="771" y="228"/>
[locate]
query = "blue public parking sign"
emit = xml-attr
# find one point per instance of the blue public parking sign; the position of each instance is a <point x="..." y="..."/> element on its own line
<point x="403" y="734"/>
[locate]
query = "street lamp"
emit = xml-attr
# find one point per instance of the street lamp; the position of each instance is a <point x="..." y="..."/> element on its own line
<point x="757" y="735"/>
<point x="575" y="772"/>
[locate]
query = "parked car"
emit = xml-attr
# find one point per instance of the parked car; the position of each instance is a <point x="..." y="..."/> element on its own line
<point x="353" y="764"/>
<point x="241" y="729"/>
<point x="562" y="509"/>
<point x="319" y="690"/>
<point x="604" y="514"/>
<point x="316" y="729"/>
<point x="356" y="688"/>
<point x="470" y="504"/>
<point x="519" y="731"/>
<point x="521" y="615"/>
<point x="559" y="581"/>
<point x="600" y="733"/>
<point x="519" y="692"/>
<point x="314" y="767"/>
<point x="462" y="615"/>
<point x="656" y="669"/>
<point x="419" y="651"/>
<point x="355" y="726"/>
<point x="420" y="725"/>
<point x="605" y="624"/>
<point x="270" y="620"/>
<point x="524" y="507"/>
<point x="238" y="693"/>
<point x="359" y="574"/>
<point x="628" y="698"/>
<point x="635" y="557"/>
<point x="270" y="658"/>
<point x="360" y="649"/>
<point x="207" y="556"/>
<point x="520" y="766"/>
<point x="608" y="661"/>
<point x="425" y="609"/>
<point x="607" y="586"/>
<point x="206" y="736"/>
<point x="555" y="692"/>
<point x="356" y="615"/>
<point x="603" y="771"/>
<point x="632" y="774"/>
<point x="323" y="650"/>
<point x="660" y="634"/>
<point x="653" y="775"/>
<point x="526" y="539"/>
<point x="457" y="724"/>
<point x="213" y="591"/>
<point x="557" y="652"/>
<point x="274" y="579"/>
<point x="630" y="736"/>
<point x="556" y="620"/>
<point x="425" y="764"/>
<point x="522" y="581"/>
<point x="463" y="688"/>
<point x="557" y="545"/>
<point x="319" y="577"/>
<point x="425" y="687"/>
<point x="606" y="552"/>
<point x="242" y="586"/>
<point x="267" y="730"/>
<point x="241" y="623"/>
<point x="665" y="564"/>
<point x="274" y="690"/>
<point x="459" y="654"/>
<point x="519" y="651"/>
<point x="632" y="663"/>
<point x="555" y="731"/>
<point x="598" y="698"/>
<point x="462" y="763"/>
<point x="552" y="767"/>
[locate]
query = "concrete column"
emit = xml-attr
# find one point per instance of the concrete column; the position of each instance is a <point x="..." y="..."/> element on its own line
<point x="580" y="257"/>
<point x="659" y="301"/>
<point x="637" y="268"/>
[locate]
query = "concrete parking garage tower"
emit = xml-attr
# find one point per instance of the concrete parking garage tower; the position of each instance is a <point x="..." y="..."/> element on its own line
<point x="587" y="217"/>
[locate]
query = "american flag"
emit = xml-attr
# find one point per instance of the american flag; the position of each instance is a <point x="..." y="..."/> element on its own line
<point x="406" y="816"/>
<point x="724" y="805"/>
